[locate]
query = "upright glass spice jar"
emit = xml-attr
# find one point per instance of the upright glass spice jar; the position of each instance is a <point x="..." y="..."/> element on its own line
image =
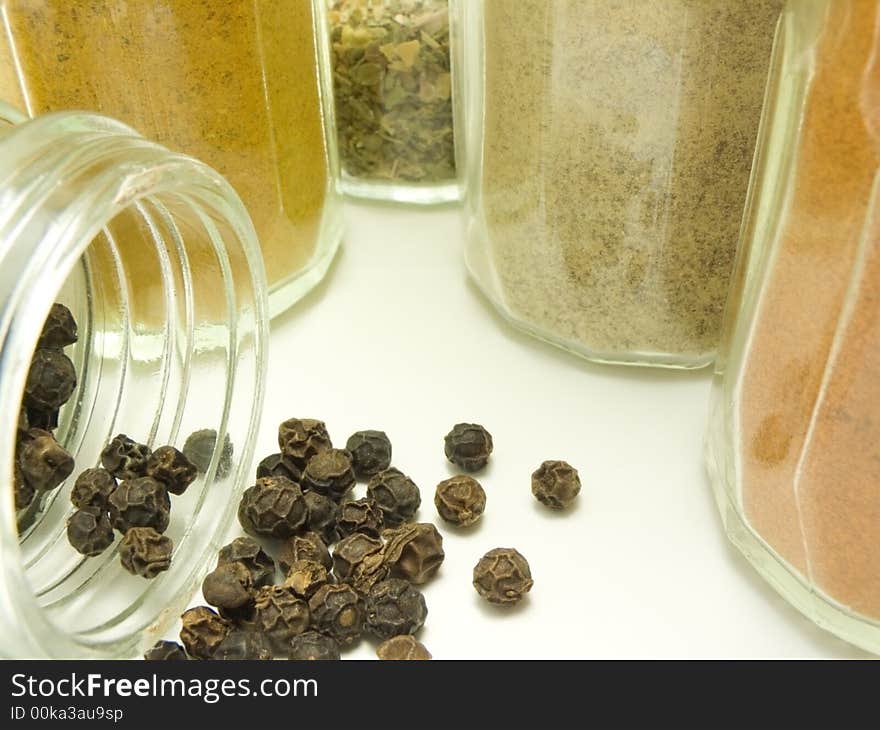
<point x="392" y="78"/>
<point x="235" y="84"/>
<point x="794" y="443"/>
<point x="68" y="183"/>
<point x="609" y="146"/>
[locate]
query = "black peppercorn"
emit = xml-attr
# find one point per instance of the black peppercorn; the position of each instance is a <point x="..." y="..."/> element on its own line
<point x="141" y="502"/>
<point x="468" y="446"/>
<point x="280" y="615"/>
<point x="199" y="450"/>
<point x="59" y="329"/>
<point x="305" y="577"/>
<point x="301" y="439"/>
<point x="556" y="484"/>
<point x="144" y="552"/>
<point x="307" y="546"/>
<point x="50" y="382"/>
<point x="397" y="495"/>
<point x="503" y="577"/>
<point x="360" y="515"/>
<point x="202" y="632"/>
<point x="460" y="500"/>
<point x="312" y="646"/>
<point x="370" y="453"/>
<point x="46" y="420"/>
<point x="359" y="560"/>
<point x="125" y="458"/>
<point x="278" y="465"/>
<point x="163" y="651"/>
<point x="395" y="607"/>
<point x="414" y="552"/>
<point x="169" y="466"/>
<point x="329" y="473"/>
<point x="23" y="492"/>
<point x="402" y="648"/>
<point x="273" y="507"/>
<point x="243" y="645"/>
<point x="338" y="611"/>
<point x="322" y="515"/>
<point x="247" y="551"/>
<point x="229" y="586"/>
<point x="44" y="462"/>
<point x="89" y="531"/>
<point x="92" y="488"/>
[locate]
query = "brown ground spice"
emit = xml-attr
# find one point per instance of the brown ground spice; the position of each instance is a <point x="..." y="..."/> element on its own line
<point x="809" y="401"/>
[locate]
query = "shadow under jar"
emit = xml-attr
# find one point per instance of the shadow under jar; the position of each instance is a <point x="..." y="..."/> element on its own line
<point x="236" y="84"/>
<point x="794" y="440"/>
<point x="193" y="359"/>
<point x="609" y="146"/>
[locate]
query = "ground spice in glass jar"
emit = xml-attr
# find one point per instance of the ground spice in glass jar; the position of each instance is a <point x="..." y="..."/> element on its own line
<point x="617" y="145"/>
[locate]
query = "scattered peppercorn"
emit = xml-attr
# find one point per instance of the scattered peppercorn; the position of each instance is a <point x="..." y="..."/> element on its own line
<point x="163" y="651"/>
<point x="307" y="546"/>
<point x="312" y="646"/>
<point x="243" y="645"/>
<point x="503" y="577"/>
<point x="50" y="382"/>
<point x="460" y="500"/>
<point x="140" y="502"/>
<point x="402" y="648"/>
<point x="59" y="329"/>
<point x="306" y="577"/>
<point x="202" y="631"/>
<point x="169" y="466"/>
<point x="278" y="465"/>
<point x="145" y="552"/>
<point x="248" y="552"/>
<point x="89" y="531"/>
<point x="395" y="607"/>
<point x="414" y="552"/>
<point x="360" y="515"/>
<point x="45" y="464"/>
<point x="280" y="615"/>
<point x="125" y="458"/>
<point x="370" y="453"/>
<point x="92" y="488"/>
<point x="359" y="560"/>
<point x="229" y="586"/>
<point x="273" y="507"/>
<point x="329" y="473"/>
<point x="338" y="611"/>
<point x="322" y="515"/>
<point x="301" y="439"/>
<point x="199" y="450"/>
<point x="468" y="446"/>
<point x="396" y="494"/>
<point x="556" y="484"/>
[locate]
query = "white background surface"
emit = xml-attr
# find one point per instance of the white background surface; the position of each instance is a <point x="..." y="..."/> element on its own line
<point x="397" y="339"/>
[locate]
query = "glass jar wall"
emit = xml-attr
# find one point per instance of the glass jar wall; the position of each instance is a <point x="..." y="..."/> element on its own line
<point x="793" y="444"/>
<point x="609" y="147"/>
<point x="235" y="84"/>
<point x="193" y="360"/>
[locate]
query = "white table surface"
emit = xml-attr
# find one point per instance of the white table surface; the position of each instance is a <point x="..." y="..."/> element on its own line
<point x="397" y="339"/>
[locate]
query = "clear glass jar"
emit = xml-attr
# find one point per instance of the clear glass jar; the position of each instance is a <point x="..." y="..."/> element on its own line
<point x="194" y="360"/>
<point x="793" y="442"/>
<point x="392" y="71"/>
<point x="235" y="84"/>
<point x="609" y="146"/>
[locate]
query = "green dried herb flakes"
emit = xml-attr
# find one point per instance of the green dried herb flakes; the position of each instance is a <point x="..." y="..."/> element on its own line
<point x="393" y="88"/>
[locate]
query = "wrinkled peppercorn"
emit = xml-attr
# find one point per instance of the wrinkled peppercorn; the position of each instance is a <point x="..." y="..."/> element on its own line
<point x="322" y="515"/>
<point x="359" y="560"/>
<point x="92" y="489"/>
<point x="273" y="507"/>
<point x="329" y="473"/>
<point x="305" y="577"/>
<point x="229" y="586"/>
<point x="308" y="546"/>
<point x="247" y="551"/>
<point x="460" y="500"/>
<point x="140" y="502"/>
<point x="199" y="450"/>
<point x="50" y="382"/>
<point x="402" y="648"/>
<point x="338" y="611"/>
<point x="468" y="446"/>
<point x="202" y="632"/>
<point x="169" y="466"/>
<point x="278" y="465"/>
<point x="556" y="484"/>
<point x="301" y="439"/>
<point x="44" y="462"/>
<point x="163" y="651"/>
<point x="360" y="515"/>
<point x="280" y="615"/>
<point x="414" y="552"/>
<point x="89" y="531"/>
<point x="59" y="329"/>
<point x="125" y="458"/>
<point x="395" y="607"/>
<point x="312" y="646"/>
<point x="144" y="552"/>
<point x="243" y="645"/>
<point x="370" y="453"/>
<point x="503" y="577"/>
<point x="397" y="495"/>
